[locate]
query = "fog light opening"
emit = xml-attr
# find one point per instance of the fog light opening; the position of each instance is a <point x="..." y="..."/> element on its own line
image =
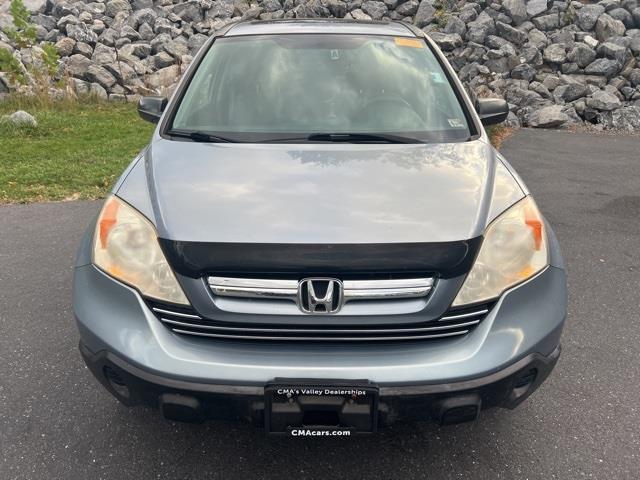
<point x="460" y="409"/>
<point x="466" y="413"/>
<point x="181" y="408"/>
<point x="116" y="383"/>
<point x="524" y="382"/>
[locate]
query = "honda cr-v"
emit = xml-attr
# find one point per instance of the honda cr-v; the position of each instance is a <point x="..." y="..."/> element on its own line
<point x="320" y="237"/>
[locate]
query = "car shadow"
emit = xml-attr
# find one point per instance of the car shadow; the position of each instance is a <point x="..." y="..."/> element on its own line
<point x="234" y="449"/>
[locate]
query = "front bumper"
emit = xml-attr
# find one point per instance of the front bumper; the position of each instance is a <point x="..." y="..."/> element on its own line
<point x="499" y="363"/>
<point x="526" y="320"/>
<point x="192" y="401"/>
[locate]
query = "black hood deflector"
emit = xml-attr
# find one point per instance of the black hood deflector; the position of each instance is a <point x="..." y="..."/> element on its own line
<point x="446" y="259"/>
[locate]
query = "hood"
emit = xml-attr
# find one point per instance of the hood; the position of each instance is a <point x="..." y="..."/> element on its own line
<point x="319" y="193"/>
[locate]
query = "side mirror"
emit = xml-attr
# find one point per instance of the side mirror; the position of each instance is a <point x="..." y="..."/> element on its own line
<point x="151" y="108"/>
<point x="492" y="110"/>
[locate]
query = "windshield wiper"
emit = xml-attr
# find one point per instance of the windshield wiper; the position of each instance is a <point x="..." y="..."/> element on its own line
<point x="347" y="138"/>
<point x="362" y="137"/>
<point x="198" y="136"/>
<point x="201" y="136"/>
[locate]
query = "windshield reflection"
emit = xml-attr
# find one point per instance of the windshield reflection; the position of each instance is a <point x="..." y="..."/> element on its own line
<point x="273" y="86"/>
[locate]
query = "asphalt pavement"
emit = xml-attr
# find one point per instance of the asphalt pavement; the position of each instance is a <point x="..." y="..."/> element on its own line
<point x="56" y="422"/>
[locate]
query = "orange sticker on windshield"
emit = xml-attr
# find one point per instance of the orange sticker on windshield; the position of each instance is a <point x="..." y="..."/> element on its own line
<point x="409" y="42"/>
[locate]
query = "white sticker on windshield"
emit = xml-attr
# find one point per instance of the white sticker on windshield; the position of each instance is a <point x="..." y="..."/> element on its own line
<point x="455" y="122"/>
<point x="437" y="77"/>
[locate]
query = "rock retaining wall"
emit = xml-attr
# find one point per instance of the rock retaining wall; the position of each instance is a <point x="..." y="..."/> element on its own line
<point x="557" y="63"/>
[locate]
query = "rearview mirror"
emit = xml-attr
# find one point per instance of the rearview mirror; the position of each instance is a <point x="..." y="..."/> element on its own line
<point x="492" y="110"/>
<point x="151" y="108"/>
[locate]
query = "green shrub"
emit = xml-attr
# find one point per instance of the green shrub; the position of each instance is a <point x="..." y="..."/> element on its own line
<point x="569" y="15"/>
<point x="23" y="33"/>
<point x="11" y="66"/>
<point x="50" y="57"/>
<point x="441" y="17"/>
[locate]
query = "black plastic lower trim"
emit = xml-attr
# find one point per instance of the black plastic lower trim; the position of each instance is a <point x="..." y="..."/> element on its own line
<point x="505" y="388"/>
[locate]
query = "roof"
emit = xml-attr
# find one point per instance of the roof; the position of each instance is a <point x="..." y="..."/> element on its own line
<point x="324" y="25"/>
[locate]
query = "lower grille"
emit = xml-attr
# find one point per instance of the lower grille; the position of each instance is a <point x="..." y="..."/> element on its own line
<point x="453" y="323"/>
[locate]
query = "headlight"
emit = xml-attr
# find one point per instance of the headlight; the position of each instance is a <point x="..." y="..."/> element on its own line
<point x="514" y="249"/>
<point x="125" y="246"/>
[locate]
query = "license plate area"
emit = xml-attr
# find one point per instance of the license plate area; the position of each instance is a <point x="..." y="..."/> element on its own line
<point x="320" y="408"/>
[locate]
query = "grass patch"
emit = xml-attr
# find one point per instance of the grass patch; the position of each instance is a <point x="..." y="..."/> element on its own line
<point x="498" y="133"/>
<point x="78" y="150"/>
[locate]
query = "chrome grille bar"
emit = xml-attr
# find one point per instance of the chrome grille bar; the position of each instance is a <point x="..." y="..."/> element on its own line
<point x="254" y="288"/>
<point x="319" y="330"/>
<point x="182" y="320"/>
<point x="288" y="289"/>
<point x="385" y="293"/>
<point x="386" y="284"/>
<point x="175" y="314"/>
<point x="459" y="316"/>
<point x="324" y="339"/>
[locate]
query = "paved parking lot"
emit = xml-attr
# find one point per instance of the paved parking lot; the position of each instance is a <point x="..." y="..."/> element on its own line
<point x="56" y="422"/>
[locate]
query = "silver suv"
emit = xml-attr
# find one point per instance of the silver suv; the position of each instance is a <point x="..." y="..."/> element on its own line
<point x="321" y="238"/>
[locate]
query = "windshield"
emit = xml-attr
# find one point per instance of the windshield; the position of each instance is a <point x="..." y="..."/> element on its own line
<point x="289" y="87"/>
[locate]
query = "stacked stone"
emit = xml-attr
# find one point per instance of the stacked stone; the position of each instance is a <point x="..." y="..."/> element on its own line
<point x="557" y="63"/>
